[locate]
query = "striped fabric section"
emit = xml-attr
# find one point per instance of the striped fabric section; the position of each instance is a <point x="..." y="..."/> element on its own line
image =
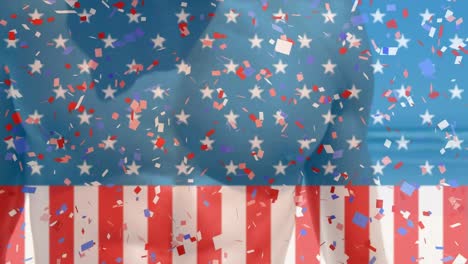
<point x="243" y="224"/>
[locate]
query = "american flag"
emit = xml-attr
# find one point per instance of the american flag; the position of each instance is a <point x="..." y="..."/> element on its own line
<point x="243" y="224"/>
<point x="223" y="132"/>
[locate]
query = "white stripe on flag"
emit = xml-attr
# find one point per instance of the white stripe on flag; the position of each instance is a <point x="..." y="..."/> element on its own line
<point x="39" y="223"/>
<point x="382" y="226"/>
<point x="86" y="224"/>
<point x="184" y="228"/>
<point x="431" y="236"/>
<point x="136" y="231"/>
<point x="332" y="233"/>
<point x="283" y="222"/>
<point x="28" y="243"/>
<point x="233" y="237"/>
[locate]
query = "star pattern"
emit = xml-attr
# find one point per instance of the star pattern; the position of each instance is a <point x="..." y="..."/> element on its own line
<point x="232" y="90"/>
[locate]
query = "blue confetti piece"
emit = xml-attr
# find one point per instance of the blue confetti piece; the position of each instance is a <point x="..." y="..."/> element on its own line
<point x="249" y="71"/>
<point x="427" y="68"/>
<point x="303" y="232"/>
<point x="447" y="259"/>
<point x="360" y="220"/>
<point x="277" y="28"/>
<point x="407" y="188"/>
<point x="391" y="7"/>
<point x="359" y="20"/>
<point x="87" y="245"/>
<point x="21" y="145"/>
<point x="254" y="193"/>
<point x="147" y="213"/>
<point x="62" y="209"/>
<point x="385" y="50"/>
<point x="187" y="236"/>
<point x="29" y="189"/>
<point x="402" y="231"/>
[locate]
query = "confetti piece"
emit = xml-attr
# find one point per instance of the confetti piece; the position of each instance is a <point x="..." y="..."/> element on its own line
<point x="283" y="46"/>
<point x="87" y="245"/>
<point x="360" y="220"/>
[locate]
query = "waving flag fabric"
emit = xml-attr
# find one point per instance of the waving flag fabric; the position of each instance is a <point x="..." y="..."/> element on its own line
<point x="254" y="224"/>
<point x="232" y="132"/>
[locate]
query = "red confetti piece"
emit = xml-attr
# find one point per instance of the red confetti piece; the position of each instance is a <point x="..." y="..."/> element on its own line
<point x="37" y="22"/>
<point x="392" y="24"/>
<point x="315" y="169"/>
<point x="379" y="203"/>
<point x="434" y="95"/>
<point x="343" y="50"/>
<point x="183" y="28"/>
<point x="217" y="35"/>
<point x="240" y="73"/>
<point x="209" y="133"/>
<point x="274" y="195"/>
<point x="16" y="116"/>
<point x="137" y="190"/>
<point x="405" y="12"/>
<point x="181" y="250"/>
<point x="346" y="94"/>
<point x="421" y="225"/>
<point x="61" y="143"/>
<point x="298" y="124"/>
<point x="71" y="106"/>
<point x="398" y="165"/>
<point x="320" y="149"/>
<point x="119" y="5"/>
<point x="160" y="142"/>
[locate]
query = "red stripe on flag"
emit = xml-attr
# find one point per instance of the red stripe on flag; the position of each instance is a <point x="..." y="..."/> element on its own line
<point x="357" y="225"/>
<point x="160" y="225"/>
<point x="308" y="226"/>
<point x="258" y="224"/>
<point x="455" y="206"/>
<point x="110" y="224"/>
<point x="209" y="223"/>
<point x="61" y="226"/>
<point x="406" y="231"/>
<point x="11" y="221"/>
